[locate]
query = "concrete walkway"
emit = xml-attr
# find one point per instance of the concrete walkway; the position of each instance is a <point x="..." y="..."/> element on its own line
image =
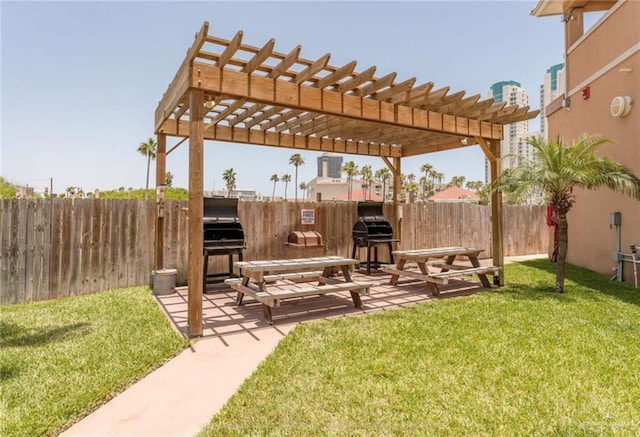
<point x="182" y="396"/>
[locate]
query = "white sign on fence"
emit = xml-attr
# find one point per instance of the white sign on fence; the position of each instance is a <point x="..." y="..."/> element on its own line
<point x="308" y="216"/>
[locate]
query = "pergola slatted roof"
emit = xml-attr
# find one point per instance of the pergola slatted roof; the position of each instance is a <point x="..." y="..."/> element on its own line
<point x="227" y="90"/>
<point x="260" y="96"/>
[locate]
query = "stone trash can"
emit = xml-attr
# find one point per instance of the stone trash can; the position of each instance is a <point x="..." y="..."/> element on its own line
<point x="164" y="281"/>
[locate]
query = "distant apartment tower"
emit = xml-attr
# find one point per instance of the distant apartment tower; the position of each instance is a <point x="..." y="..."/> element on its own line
<point x="552" y="87"/>
<point x="514" y="134"/>
<point x="330" y="166"/>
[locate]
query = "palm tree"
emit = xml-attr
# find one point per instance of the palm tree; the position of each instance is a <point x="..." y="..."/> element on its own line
<point x="148" y="149"/>
<point x="303" y="187"/>
<point x="229" y="177"/>
<point x="411" y="188"/>
<point x="557" y="169"/>
<point x="351" y="169"/>
<point x="427" y="169"/>
<point x="168" y="179"/>
<point x="457" y="181"/>
<point x="274" y="178"/>
<point x="297" y="160"/>
<point x="474" y="185"/>
<point x="367" y="176"/>
<point x="383" y="175"/>
<point x="286" y="179"/>
<point x="438" y="176"/>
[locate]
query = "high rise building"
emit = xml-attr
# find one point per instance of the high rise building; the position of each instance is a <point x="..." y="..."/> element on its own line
<point x="515" y="134"/>
<point x="330" y="166"/>
<point x="552" y="87"/>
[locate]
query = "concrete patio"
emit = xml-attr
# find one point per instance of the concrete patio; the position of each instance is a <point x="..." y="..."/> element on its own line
<point x="180" y="397"/>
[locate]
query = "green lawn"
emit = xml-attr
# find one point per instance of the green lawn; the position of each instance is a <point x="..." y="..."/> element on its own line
<point x="521" y="360"/>
<point x="63" y="358"/>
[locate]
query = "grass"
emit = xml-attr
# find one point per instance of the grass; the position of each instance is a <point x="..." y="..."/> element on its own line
<point x="63" y="358"/>
<point x="522" y="360"/>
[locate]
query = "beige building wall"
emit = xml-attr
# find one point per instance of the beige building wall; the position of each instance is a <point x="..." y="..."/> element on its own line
<point x="607" y="60"/>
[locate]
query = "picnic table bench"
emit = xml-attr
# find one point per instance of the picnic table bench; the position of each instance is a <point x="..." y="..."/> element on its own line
<point x="443" y="258"/>
<point x="258" y="279"/>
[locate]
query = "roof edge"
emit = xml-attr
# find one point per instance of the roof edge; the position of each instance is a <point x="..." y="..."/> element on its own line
<point x="546" y="8"/>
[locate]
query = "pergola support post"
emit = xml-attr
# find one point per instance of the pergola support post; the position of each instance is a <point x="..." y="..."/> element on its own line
<point x="491" y="149"/>
<point x="161" y="166"/>
<point x="196" y="238"/>
<point x="397" y="201"/>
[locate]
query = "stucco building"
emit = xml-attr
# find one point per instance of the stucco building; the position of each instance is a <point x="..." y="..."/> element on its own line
<point x="602" y="87"/>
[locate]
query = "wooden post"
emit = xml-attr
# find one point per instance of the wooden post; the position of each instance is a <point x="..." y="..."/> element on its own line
<point x="196" y="237"/>
<point x="161" y="160"/>
<point x="397" y="201"/>
<point x="496" y="210"/>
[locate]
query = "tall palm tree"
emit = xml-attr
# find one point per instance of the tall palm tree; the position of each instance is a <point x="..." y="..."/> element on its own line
<point x="439" y="177"/>
<point x="351" y="169"/>
<point x="303" y="187"/>
<point x="557" y="169"/>
<point x="229" y="177"/>
<point x="296" y="160"/>
<point x="286" y="178"/>
<point x="383" y="175"/>
<point x="427" y="169"/>
<point x="274" y="178"/>
<point x="367" y="177"/>
<point x="148" y="148"/>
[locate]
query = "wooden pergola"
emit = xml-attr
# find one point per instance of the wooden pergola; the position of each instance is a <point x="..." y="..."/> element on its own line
<point x="226" y="90"/>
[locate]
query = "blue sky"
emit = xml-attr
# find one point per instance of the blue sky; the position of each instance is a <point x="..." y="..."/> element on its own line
<point x="81" y="80"/>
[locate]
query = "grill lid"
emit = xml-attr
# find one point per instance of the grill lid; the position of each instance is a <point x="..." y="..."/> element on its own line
<point x="371" y="209"/>
<point x="220" y="209"/>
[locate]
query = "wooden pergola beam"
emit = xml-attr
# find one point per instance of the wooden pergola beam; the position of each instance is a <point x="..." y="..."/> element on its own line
<point x="278" y="139"/>
<point x="180" y="84"/>
<point x="297" y="96"/>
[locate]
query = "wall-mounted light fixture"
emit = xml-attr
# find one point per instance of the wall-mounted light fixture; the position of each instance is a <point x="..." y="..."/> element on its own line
<point x="621" y="106"/>
<point x="210" y="103"/>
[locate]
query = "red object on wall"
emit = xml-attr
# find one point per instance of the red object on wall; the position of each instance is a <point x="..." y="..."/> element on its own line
<point x="586" y="92"/>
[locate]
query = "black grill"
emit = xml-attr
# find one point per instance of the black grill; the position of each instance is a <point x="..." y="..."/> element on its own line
<point x="223" y="235"/>
<point x="371" y="230"/>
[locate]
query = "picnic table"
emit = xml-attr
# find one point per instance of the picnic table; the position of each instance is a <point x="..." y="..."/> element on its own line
<point x="443" y="259"/>
<point x="270" y="281"/>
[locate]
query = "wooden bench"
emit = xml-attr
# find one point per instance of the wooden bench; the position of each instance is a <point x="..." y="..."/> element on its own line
<point x="271" y="298"/>
<point x="443" y="277"/>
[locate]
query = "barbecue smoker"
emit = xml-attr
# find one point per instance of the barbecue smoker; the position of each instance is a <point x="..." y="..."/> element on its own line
<point x="371" y="230"/>
<point x="223" y="235"/>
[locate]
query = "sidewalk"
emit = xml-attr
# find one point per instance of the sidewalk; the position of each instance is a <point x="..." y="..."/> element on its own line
<point x="181" y="397"/>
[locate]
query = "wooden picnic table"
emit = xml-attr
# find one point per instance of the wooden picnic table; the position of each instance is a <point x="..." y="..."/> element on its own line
<point x="442" y="258"/>
<point x="258" y="279"/>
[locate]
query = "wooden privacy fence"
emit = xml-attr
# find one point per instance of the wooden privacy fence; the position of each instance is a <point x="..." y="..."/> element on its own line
<point x="64" y="247"/>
